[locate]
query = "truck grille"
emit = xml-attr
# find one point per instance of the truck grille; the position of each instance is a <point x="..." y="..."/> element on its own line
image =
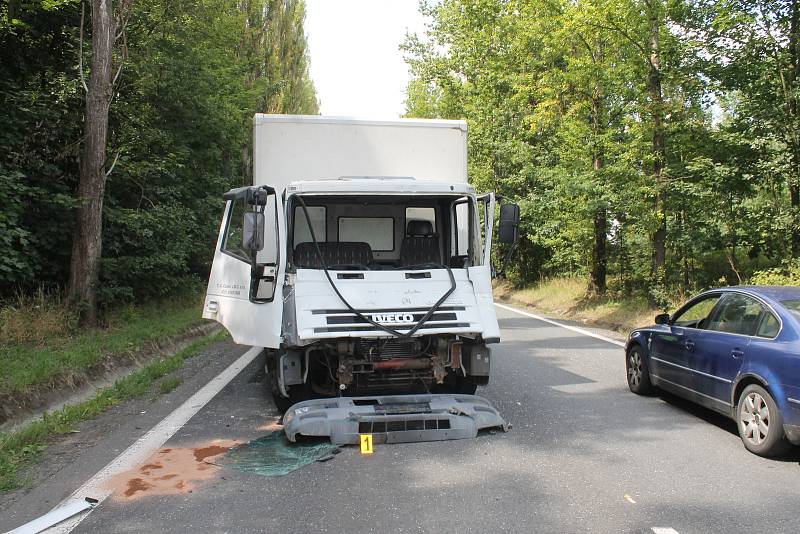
<point x="401" y="319"/>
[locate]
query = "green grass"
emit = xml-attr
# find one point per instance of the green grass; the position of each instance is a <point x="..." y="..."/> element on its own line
<point x="24" y="446"/>
<point x="566" y="297"/>
<point x="168" y="384"/>
<point x="63" y="359"/>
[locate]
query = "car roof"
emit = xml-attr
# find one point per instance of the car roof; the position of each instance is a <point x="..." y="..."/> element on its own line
<point x="773" y="293"/>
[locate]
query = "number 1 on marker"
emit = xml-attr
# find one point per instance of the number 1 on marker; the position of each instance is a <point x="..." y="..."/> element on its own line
<point x="366" y="444"/>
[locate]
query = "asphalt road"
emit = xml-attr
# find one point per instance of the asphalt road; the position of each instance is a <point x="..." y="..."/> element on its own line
<point x="584" y="455"/>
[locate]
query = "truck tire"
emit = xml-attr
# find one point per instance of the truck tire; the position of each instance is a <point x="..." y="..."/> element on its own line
<point x="297" y="393"/>
<point x="467" y="386"/>
<point x="459" y="385"/>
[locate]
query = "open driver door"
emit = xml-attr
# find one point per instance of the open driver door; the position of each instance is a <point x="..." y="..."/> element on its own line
<point x="246" y="281"/>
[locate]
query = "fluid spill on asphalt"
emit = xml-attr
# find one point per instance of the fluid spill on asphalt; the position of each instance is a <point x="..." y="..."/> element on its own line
<point x="274" y="455"/>
<point x="171" y="471"/>
<point x="201" y="453"/>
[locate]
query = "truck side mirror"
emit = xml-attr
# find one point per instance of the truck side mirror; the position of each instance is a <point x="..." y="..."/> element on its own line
<point x="253" y="231"/>
<point x="509" y="223"/>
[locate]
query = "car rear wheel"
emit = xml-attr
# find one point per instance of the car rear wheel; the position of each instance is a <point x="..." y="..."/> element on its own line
<point x="638" y="374"/>
<point x="760" y="422"/>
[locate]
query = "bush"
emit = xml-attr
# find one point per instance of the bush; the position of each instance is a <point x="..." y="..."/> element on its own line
<point x="786" y="275"/>
<point x="35" y="318"/>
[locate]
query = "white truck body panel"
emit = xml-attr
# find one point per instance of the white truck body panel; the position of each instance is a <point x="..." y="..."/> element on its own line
<point x="290" y="148"/>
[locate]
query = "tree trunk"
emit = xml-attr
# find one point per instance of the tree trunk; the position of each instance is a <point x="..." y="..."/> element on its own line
<point x="659" y="144"/>
<point x="684" y="253"/>
<point x="597" y="282"/>
<point x="87" y="238"/>
<point x="794" y="196"/>
<point x="791" y="78"/>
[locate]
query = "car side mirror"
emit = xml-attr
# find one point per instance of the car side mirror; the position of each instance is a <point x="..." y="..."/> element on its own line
<point x="253" y="231"/>
<point x="509" y="223"/>
<point x="662" y="318"/>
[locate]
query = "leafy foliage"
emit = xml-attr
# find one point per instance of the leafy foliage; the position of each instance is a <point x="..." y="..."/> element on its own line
<point x="788" y="274"/>
<point x="559" y="97"/>
<point x="180" y="126"/>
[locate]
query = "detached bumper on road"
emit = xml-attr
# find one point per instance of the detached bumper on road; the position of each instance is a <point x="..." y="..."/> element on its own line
<point x="392" y="419"/>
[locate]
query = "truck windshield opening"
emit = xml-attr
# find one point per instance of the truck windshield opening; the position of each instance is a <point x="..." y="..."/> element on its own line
<point x="383" y="232"/>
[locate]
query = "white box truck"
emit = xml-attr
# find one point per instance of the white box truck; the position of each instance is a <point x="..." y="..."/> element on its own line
<point x="359" y="258"/>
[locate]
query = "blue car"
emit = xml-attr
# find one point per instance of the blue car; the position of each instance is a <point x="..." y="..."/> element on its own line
<point x="734" y="350"/>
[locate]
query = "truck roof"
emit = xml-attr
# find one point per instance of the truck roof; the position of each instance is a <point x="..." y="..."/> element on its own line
<point x="378" y="185"/>
<point x="261" y="118"/>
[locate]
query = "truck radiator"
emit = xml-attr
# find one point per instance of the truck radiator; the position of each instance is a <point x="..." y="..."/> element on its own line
<point x="396" y="379"/>
<point x="392" y="348"/>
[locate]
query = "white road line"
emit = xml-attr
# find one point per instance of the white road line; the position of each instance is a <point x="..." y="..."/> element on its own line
<point x="568" y="327"/>
<point x="153" y="440"/>
<point x="664" y="530"/>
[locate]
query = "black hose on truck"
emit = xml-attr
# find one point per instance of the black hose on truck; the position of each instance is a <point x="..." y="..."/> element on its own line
<point x="360" y="315"/>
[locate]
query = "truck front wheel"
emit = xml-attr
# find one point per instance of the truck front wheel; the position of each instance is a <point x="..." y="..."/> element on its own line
<point x="467" y="385"/>
<point x="297" y="393"/>
<point x="460" y="385"/>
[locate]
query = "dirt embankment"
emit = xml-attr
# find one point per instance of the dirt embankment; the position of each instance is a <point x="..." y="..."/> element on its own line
<point x="75" y="386"/>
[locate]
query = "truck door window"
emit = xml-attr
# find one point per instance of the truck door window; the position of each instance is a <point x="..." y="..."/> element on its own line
<point x="461" y="229"/>
<point x="483" y="208"/>
<point x="317" y="215"/>
<point x="233" y="234"/>
<point x="378" y="232"/>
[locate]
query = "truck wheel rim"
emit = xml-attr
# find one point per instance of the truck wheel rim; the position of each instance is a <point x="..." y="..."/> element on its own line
<point x="754" y="418"/>
<point x="634" y="368"/>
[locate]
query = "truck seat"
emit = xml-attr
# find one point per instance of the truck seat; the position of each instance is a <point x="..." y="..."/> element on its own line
<point x="334" y="253"/>
<point x="420" y="245"/>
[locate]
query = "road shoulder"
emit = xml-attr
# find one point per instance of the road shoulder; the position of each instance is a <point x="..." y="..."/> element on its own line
<point x="73" y="458"/>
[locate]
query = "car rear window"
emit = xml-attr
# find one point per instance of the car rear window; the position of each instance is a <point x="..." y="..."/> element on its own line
<point x="769" y="327"/>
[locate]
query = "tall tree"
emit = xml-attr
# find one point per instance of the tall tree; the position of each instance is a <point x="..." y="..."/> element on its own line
<point x="753" y="55"/>
<point x="655" y="26"/>
<point x="88" y="236"/>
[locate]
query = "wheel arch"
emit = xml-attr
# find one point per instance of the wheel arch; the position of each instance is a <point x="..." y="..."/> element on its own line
<point x="637" y="340"/>
<point x="744" y="381"/>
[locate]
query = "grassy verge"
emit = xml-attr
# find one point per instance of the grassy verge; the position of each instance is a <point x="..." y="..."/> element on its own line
<point x="22" y="447"/>
<point x="55" y="358"/>
<point x="565" y="297"/>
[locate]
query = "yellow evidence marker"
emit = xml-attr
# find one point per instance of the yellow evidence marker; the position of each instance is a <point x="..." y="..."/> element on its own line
<point x="366" y="444"/>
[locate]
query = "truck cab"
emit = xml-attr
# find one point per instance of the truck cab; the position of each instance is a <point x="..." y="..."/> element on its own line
<point x="360" y="283"/>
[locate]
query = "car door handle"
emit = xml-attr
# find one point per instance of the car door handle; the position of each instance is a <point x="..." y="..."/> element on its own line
<point x="737" y="353"/>
<point x="689" y="344"/>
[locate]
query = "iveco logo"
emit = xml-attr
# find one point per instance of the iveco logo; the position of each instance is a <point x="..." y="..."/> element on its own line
<point x="392" y="318"/>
